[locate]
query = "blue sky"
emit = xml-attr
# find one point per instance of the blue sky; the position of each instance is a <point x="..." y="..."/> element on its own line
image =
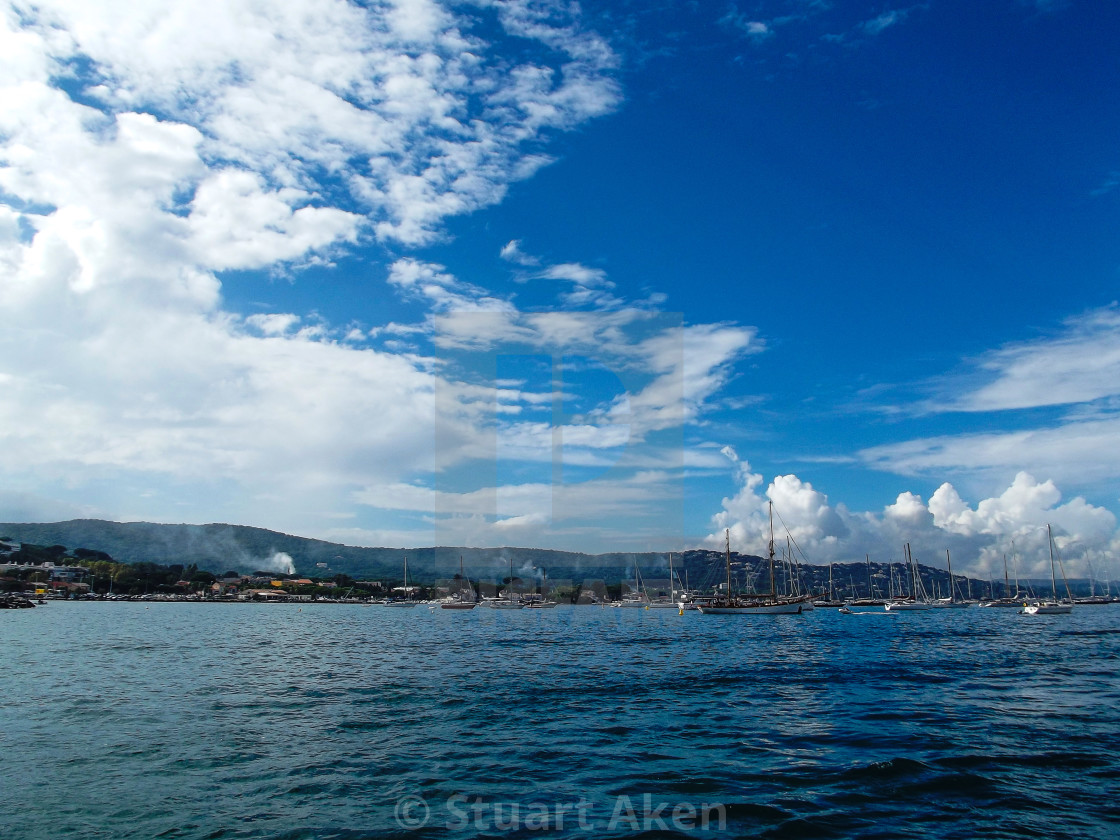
<point x="597" y="277"/>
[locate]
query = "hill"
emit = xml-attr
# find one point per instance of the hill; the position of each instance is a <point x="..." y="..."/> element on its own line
<point x="222" y="547"/>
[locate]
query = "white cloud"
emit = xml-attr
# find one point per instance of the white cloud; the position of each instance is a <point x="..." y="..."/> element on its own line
<point x="273" y="324"/>
<point x="1080" y="364"/>
<point x="512" y="252"/>
<point x="1081" y="452"/>
<point x="146" y="146"/>
<point x="442" y="291"/>
<point x="884" y="21"/>
<point x="1076" y="369"/>
<point x="545" y="514"/>
<point x="804" y="512"/>
<point x="755" y="30"/>
<point x="236" y="222"/>
<point x="978" y="537"/>
<point x="406" y="117"/>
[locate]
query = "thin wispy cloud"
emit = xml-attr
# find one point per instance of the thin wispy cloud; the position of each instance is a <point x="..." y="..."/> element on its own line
<point x="1107" y="186"/>
<point x="1080" y="364"/>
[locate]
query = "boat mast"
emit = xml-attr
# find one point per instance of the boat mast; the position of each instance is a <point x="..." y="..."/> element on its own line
<point x="773" y="591"/>
<point x="1006" y="582"/>
<point x="1053" y="580"/>
<point x="727" y="537"/>
<point x="952" y="588"/>
<point x="831" y="597"/>
<point x="870" y="594"/>
<point x="913" y="574"/>
<point x="794" y="568"/>
<point x="672" y="591"/>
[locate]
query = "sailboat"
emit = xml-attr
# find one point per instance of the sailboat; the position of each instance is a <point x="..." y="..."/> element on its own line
<point x="767" y="604"/>
<point x="461" y="601"/>
<point x="1007" y="600"/>
<point x="671" y="604"/>
<point x="951" y="602"/>
<point x="507" y="603"/>
<point x="407" y="601"/>
<point x="1053" y="607"/>
<point x="637" y="598"/>
<point x="795" y="574"/>
<point x="832" y="600"/>
<point x="541" y="602"/>
<point x="1093" y="598"/>
<point x="918" y="599"/>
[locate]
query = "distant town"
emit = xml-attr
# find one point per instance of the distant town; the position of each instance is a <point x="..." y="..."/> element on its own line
<point x="39" y="573"/>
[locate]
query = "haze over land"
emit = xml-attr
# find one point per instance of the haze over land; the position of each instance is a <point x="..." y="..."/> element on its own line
<point x="599" y="277"/>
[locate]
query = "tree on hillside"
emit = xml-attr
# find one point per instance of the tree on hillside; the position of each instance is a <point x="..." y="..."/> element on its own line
<point x="91" y="555"/>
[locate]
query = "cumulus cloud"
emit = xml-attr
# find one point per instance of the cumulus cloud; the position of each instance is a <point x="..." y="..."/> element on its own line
<point x="979" y="537"/>
<point x="393" y="109"/>
<point x="804" y="512"/>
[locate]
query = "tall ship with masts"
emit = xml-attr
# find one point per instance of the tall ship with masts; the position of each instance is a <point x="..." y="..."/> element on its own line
<point x="770" y="603"/>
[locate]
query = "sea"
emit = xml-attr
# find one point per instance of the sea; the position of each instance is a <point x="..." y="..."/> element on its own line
<point x="196" y="720"/>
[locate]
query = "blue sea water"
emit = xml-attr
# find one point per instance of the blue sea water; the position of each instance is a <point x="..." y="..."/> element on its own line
<point x="172" y="720"/>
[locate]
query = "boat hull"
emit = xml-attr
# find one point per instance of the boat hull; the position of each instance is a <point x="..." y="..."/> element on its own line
<point x="754" y="609"/>
<point x="1046" y="609"/>
<point x="907" y="606"/>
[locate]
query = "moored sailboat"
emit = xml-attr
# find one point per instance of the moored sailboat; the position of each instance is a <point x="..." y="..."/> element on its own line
<point x="1006" y="600"/>
<point x="1055" y="606"/>
<point x="461" y="600"/>
<point x="671" y="604"/>
<point x="918" y="599"/>
<point x="637" y="597"/>
<point x="506" y="603"/>
<point x="407" y="600"/>
<point x="542" y="601"/>
<point x="767" y="604"/>
<point x="951" y="602"/>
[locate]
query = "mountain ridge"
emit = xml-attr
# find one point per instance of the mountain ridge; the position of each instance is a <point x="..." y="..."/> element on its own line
<point x="221" y="547"/>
